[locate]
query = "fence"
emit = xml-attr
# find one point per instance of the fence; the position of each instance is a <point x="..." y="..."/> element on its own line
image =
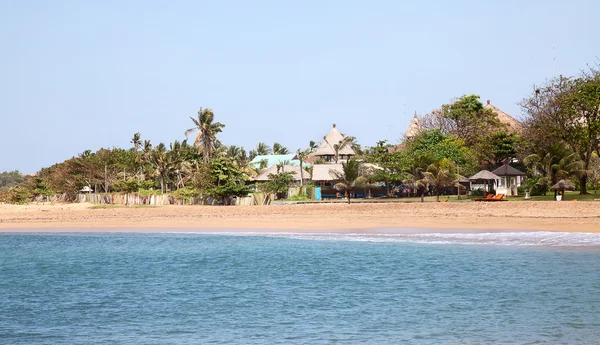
<point x="167" y="199"/>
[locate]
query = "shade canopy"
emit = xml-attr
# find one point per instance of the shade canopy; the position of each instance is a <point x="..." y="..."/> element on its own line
<point x="563" y="185"/>
<point x="507" y="170"/>
<point x="484" y="175"/>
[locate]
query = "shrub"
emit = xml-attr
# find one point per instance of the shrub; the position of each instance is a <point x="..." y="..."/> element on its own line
<point x="479" y="192"/>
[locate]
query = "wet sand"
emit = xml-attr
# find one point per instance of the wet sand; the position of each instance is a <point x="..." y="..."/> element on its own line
<point x="414" y="217"/>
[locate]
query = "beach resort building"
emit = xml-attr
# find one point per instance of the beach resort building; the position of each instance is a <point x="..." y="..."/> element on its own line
<point x="294" y="169"/>
<point x="330" y="149"/>
<point x="509" y="179"/>
<point x="270" y="160"/>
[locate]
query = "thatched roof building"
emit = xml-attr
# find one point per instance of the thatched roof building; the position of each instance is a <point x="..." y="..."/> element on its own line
<point x="264" y="176"/>
<point x="413" y="128"/>
<point x="513" y="124"/>
<point x="326" y="172"/>
<point x="272" y="160"/>
<point x="484" y="175"/>
<point x="326" y="149"/>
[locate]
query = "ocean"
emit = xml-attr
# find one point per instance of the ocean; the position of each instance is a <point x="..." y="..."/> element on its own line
<point x="286" y="288"/>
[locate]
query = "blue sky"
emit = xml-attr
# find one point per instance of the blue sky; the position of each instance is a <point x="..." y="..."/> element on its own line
<point x="79" y="75"/>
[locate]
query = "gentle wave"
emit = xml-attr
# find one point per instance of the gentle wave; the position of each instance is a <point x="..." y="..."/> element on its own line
<point x="537" y="238"/>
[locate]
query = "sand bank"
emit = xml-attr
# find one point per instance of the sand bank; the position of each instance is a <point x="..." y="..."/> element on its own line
<point x="507" y="216"/>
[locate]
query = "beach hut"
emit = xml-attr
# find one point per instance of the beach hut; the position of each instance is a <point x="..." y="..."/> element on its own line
<point x="484" y="179"/>
<point x="561" y="186"/>
<point x="510" y="179"/>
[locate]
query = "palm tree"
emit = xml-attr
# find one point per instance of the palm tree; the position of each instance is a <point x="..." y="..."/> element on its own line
<point x="349" y="177"/>
<point x="279" y="149"/>
<point x="347" y="141"/>
<point x="263" y="149"/>
<point x="136" y="140"/>
<point x="313" y="146"/>
<point x="558" y="163"/>
<point x="302" y="156"/>
<point x="440" y="175"/>
<point x="206" y="132"/>
<point x="416" y="177"/>
<point x="160" y="160"/>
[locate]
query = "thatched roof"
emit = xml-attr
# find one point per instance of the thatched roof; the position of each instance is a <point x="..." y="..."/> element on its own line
<point x="563" y="185"/>
<point x="324" y="172"/>
<point x="264" y="176"/>
<point x="333" y="138"/>
<point x="507" y="170"/>
<point x="513" y="124"/>
<point x="413" y="128"/>
<point x="484" y="175"/>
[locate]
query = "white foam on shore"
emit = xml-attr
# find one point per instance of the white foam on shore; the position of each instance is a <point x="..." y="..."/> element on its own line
<point x="537" y="238"/>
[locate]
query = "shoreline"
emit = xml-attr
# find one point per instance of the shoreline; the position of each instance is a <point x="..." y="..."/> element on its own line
<point x="339" y="218"/>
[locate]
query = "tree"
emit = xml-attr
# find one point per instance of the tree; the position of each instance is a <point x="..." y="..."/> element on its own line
<point x="228" y="180"/>
<point x="415" y="174"/>
<point x="339" y="146"/>
<point x="278" y="184"/>
<point x="567" y="109"/>
<point x="136" y="140"/>
<point x="470" y="120"/>
<point x="9" y="179"/>
<point x="302" y="156"/>
<point x="206" y="132"/>
<point x="162" y="166"/>
<point x="440" y="175"/>
<point x="349" y="177"/>
<point x="594" y="173"/>
<point x="560" y="162"/>
<point x="279" y="149"/>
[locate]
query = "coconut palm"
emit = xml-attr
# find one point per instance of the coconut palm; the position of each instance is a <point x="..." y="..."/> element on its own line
<point x="302" y="156"/>
<point x="337" y="147"/>
<point x="558" y="163"/>
<point x="349" y="178"/>
<point x="279" y="149"/>
<point x="313" y="146"/>
<point x="440" y="175"/>
<point x="160" y="161"/>
<point x="136" y="140"/>
<point x="416" y="178"/>
<point x="206" y="132"/>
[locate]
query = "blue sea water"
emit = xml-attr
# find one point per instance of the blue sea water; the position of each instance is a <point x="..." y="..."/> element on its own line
<point x="519" y="288"/>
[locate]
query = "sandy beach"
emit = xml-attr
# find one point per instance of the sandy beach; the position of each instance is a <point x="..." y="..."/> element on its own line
<point x="506" y="216"/>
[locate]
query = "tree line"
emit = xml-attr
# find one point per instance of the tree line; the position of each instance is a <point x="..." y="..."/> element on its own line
<point x="558" y="138"/>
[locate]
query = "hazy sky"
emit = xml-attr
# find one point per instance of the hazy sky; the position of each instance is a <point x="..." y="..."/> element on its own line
<point x="79" y="75"/>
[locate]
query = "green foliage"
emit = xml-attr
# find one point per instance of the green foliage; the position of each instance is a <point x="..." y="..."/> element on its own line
<point x="349" y="177"/>
<point x="9" y="179"/>
<point x="476" y="193"/>
<point x="131" y="185"/>
<point x="278" y="184"/>
<point x="537" y="186"/>
<point x="19" y="196"/>
<point x="440" y="175"/>
<point x="472" y="122"/>
<point x="502" y="146"/>
<point x="187" y="193"/>
<point x="228" y="179"/>
<point x="438" y="146"/>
